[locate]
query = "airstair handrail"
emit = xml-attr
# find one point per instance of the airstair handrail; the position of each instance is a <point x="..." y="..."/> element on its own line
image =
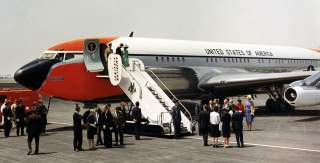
<point x="189" y="114"/>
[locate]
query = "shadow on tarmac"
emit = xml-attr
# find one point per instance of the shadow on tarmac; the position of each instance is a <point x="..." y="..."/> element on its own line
<point x="263" y="112"/>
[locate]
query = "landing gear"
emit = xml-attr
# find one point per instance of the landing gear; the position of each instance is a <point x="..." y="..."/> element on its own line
<point x="276" y="102"/>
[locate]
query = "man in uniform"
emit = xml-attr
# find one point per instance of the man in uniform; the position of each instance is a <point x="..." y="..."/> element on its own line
<point x="7" y="117"/>
<point x="107" y="52"/>
<point x="34" y="129"/>
<point x="136" y="115"/>
<point x="20" y="117"/>
<point x="77" y="129"/>
<point x="120" y="121"/>
<point x="107" y="124"/>
<point x="176" y="117"/>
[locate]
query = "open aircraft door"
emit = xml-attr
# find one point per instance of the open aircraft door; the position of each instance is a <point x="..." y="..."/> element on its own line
<point x="92" y="57"/>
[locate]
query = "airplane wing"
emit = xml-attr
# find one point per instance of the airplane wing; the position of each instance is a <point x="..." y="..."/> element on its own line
<point x="249" y="79"/>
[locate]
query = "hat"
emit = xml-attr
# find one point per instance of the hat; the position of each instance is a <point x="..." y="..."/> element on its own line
<point x="249" y="97"/>
<point x="126" y="46"/>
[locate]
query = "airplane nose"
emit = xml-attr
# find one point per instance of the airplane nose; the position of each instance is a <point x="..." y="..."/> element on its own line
<point x="33" y="74"/>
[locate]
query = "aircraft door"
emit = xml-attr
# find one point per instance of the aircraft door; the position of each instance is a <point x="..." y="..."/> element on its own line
<point x="91" y="55"/>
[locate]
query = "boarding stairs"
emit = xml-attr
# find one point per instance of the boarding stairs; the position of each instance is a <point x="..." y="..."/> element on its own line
<point x="138" y="86"/>
<point x="155" y="105"/>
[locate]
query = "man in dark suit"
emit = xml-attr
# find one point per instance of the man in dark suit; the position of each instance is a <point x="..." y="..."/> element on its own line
<point x="77" y="129"/>
<point x="99" y="126"/>
<point x="136" y="115"/>
<point x="204" y="122"/>
<point x="176" y="117"/>
<point x="34" y="128"/>
<point x="20" y="117"/>
<point x="119" y="49"/>
<point x="120" y="121"/>
<point x="7" y="117"/>
<point x="107" y="124"/>
<point x="237" y="119"/>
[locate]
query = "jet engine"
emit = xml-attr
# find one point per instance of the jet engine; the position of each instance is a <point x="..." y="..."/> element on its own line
<point x="302" y="95"/>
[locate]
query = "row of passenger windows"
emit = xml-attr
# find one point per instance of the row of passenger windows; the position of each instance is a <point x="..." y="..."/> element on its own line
<point x="262" y="61"/>
<point x="241" y="60"/>
<point x="169" y="59"/>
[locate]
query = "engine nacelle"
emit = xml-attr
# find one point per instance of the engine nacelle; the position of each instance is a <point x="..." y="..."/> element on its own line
<point x="302" y="95"/>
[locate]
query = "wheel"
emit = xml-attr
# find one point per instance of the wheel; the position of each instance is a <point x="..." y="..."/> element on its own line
<point x="271" y="105"/>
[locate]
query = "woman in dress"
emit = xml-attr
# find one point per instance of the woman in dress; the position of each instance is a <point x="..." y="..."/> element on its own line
<point x="249" y="112"/>
<point x="92" y="129"/>
<point x="125" y="56"/>
<point x="214" y="126"/>
<point x="226" y="119"/>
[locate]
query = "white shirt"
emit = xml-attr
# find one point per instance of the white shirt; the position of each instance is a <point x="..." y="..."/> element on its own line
<point x="214" y="118"/>
<point x="2" y="107"/>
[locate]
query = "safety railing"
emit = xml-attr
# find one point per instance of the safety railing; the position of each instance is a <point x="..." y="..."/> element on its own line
<point x="161" y="117"/>
<point x="174" y="97"/>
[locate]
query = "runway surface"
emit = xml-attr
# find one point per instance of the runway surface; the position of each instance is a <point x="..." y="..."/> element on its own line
<point x="277" y="137"/>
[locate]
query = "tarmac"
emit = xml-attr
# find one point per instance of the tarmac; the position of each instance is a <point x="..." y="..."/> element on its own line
<point x="276" y="137"/>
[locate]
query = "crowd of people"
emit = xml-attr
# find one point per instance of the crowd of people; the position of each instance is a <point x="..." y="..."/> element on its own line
<point x="33" y="119"/>
<point x="121" y="50"/>
<point x="104" y="121"/>
<point x="216" y="119"/>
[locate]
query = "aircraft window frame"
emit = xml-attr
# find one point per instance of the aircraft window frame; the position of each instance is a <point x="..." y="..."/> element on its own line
<point x="48" y="55"/>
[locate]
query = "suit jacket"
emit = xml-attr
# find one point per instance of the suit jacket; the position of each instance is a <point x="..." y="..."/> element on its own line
<point x="237" y="119"/>
<point x="176" y="114"/>
<point x="77" y="118"/>
<point x="119" y="51"/>
<point x="204" y="119"/>
<point x="20" y="113"/>
<point x="136" y="114"/>
<point x="107" y="119"/>
<point x="120" y="119"/>
<point x="34" y="124"/>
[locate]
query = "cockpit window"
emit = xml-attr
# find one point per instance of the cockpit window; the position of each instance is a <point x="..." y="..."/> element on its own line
<point x="48" y="56"/>
<point x="59" y="56"/>
<point x="69" y="56"/>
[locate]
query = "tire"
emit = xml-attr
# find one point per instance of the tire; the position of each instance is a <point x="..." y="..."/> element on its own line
<point x="271" y="105"/>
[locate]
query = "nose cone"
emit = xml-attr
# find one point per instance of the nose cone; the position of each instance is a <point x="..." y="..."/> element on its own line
<point x="33" y="74"/>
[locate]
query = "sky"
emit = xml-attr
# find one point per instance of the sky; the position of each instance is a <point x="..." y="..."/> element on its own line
<point x="29" y="27"/>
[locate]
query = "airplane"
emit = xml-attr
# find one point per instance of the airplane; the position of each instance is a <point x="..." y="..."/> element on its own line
<point x="182" y="69"/>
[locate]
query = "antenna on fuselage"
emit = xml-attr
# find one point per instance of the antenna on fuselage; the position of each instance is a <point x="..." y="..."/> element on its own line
<point x="131" y="34"/>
